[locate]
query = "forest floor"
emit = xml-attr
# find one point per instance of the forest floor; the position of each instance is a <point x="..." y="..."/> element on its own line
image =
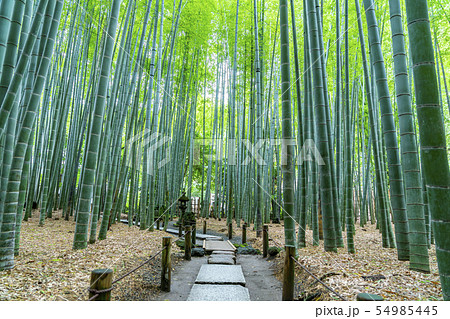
<point x="344" y="272"/>
<point x="48" y="269"/>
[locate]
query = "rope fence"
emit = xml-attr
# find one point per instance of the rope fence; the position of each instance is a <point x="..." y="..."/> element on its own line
<point x="279" y="245"/>
<point x="102" y="283"/>
<point x="318" y="280"/>
<point x="101" y="279"/>
<point x="141" y="265"/>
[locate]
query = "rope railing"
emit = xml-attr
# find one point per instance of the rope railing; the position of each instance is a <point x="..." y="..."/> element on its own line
<point x="97" y="292"/>
<point x="279" y="245"/>
<point x="276" y="243"/>
<point x="141" y="265"/>
<point x="318" y="280"/>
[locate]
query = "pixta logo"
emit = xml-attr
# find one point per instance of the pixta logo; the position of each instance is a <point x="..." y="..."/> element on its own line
<point x="219" y="149"/>
<point x="157" y="147"/>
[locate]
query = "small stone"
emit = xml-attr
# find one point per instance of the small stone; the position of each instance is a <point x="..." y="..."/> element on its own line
<point x="273" y="251"/>
<point x="197" y="252"/>
<point x="248" y="251"/>
<point x="373" y="277"/>
<point x="180" y="243"/>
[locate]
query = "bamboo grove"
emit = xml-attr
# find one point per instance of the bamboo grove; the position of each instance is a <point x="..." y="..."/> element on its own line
<point x="316" y="114"/>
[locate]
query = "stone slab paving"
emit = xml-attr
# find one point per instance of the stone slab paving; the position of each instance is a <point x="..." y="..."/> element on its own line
<point x="221" y="275"/>
<point x="208" y="237"/>
<point x="221" y="260"/>
<point x="218" y="293"/>
<point x="183" y="280"/>
<point x="175" y="231"/>
<point x="197" y="235"/>
<point x="222" y="252"/>
<point x="212" y="245"/>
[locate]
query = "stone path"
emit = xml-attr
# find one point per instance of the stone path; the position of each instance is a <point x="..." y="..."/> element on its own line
<point x="197" y="234"/>
<point x="175" y="232"/>
<point x="222" y="260"/>
<point x="218" y="293"/>
<point x="223" y="276"/>
<point x="220" y="279"/>
<point x="218" y="246"/>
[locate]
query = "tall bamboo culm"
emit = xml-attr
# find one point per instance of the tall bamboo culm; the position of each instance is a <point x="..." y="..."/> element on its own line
<point x="432" y="133"/>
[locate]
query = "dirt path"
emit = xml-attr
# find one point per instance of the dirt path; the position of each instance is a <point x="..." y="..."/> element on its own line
<point x="260" y="278"/>
<point x="183" y="279"/>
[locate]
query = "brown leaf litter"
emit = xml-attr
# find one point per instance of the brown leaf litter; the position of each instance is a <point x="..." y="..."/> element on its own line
<point x="48" y="269"/>
<point x="345" y="272"/>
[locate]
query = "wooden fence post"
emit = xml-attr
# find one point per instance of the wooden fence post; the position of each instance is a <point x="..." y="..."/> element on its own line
<point x="230" y="230"/>
<point x="101" y="279"/>
<point x="194" y="235"/>
<point x="265" y="240"/>
<point x="187" y="242"/>
<point x="166" y="268"/>
<point x="204" y="226"/>
<point x="244" y="233"/>
<point x="288" y="274"/>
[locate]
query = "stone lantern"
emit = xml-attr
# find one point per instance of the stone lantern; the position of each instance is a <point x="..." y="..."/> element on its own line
<point x="182" y="205"/>
<point x="183" y="200"/>
<point x="187" y="217"/>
